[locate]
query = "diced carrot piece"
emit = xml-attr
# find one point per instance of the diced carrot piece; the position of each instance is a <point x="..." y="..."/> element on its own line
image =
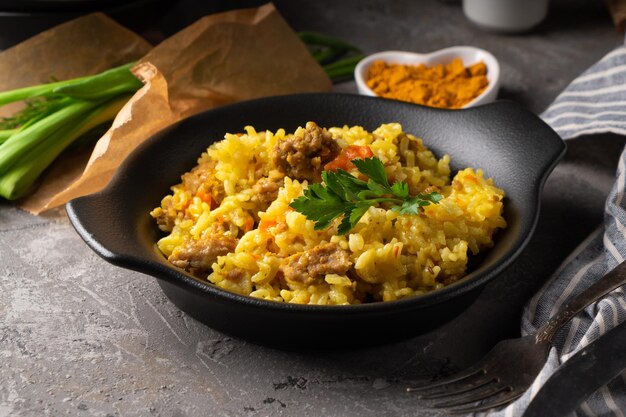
<point x="207" y="198"/>
<point x="343" y="160"/>
<point x="249" y="225"/>
<point x="360" y="152"/>
<point x="471" y="178"/>
<point x="266" y="224"/>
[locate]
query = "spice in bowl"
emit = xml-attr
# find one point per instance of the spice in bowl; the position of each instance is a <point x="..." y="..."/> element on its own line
<point x="450" y="86"/>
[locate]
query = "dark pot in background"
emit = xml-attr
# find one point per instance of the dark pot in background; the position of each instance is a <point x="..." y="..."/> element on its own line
<point x="152" y="19"/>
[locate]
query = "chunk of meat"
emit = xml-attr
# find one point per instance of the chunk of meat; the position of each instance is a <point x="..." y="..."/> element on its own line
<point x="236" y="275"/>
<point x="303" y="157"/>
<point x="266" y="190"/>
<point x="165" y="215"/>
<point x="201" y="181"/>
<point x="197" y="256"/>
<point x="308" y="266"/>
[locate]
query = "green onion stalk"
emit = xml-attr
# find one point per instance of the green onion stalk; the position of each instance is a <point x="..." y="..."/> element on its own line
<point x="337" y="57"/>
<point x="56" y="115"/>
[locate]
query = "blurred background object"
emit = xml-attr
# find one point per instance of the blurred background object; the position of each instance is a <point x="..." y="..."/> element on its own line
<point x="506" y="16"/>
<point x="618" y="13"/>
<point x="21" y="19"/>
<point x="153" y="19"/>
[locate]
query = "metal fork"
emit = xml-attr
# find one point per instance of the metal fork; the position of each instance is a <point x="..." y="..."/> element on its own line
<point x="505" y="373"/>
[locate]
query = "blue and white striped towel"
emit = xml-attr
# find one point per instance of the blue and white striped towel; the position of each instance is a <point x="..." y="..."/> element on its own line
<point x="593" y="103"/>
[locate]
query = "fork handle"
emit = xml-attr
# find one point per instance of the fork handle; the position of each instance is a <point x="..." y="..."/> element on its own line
<point x="612" y="280"/>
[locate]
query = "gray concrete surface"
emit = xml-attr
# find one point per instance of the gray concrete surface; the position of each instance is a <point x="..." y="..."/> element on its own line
<point x="81" y="337"/>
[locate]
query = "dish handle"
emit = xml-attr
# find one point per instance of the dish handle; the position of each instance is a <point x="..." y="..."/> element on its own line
<point x="114" y="232"/>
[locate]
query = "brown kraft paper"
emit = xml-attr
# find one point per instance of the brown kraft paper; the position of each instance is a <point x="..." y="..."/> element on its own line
<point x="220" y="59"/>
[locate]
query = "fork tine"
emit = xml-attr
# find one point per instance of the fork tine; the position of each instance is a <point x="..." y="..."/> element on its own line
<point x="472" y="396"/>
<point x="501" y="400"/>
<point x="458" y="377"/>
<point x="461" y="389"/>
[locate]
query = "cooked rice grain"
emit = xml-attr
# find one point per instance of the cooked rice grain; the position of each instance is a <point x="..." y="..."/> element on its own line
<point x="392" y="256"/>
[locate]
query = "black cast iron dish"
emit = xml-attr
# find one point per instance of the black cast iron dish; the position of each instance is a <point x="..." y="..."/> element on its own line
<point x="512" y="146"/>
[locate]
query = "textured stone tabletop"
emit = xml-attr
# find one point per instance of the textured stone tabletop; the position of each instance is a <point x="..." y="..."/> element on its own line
<point x="79" y="336"/>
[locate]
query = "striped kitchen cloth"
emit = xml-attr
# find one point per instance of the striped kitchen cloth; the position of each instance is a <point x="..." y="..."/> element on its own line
<point x="595" y="102"/>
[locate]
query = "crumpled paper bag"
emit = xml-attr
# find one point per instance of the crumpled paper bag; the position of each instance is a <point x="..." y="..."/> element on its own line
<point x="84" y="46"/>
<point x="70" y="50"/>
<point x="220" y="59"/>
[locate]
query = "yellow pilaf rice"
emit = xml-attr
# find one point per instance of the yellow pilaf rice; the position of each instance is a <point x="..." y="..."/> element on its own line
<point x="393" y="256"/>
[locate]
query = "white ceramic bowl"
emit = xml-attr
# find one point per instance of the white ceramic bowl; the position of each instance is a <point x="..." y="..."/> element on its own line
<point x="468" y="54"/>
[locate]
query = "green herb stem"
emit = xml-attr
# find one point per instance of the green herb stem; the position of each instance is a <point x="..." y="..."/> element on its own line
<point x="384" y="200"/>
<point x="325" y="56"/>
<point x="105" y="85"/>
<point x="23" y="142"/>
<point x="90" y="87"/>
<point x="340" y="73"/>
<point x="18" y="179"/>
<point x="35" y="110"/>
<point x="349" y="62"/>
<point x="315" y="38"/>
<point x="328" y="50"/>
<point x="20" y="94"/>
<point x="343" y="68"/>
<point x="55" y="116"/>
<point x="6" y="134"/>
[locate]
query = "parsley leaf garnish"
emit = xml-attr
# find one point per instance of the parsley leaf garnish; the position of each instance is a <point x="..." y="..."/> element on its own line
<point x="343" y="194"/>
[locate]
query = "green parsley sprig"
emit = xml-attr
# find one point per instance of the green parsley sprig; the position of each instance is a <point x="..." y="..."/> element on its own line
<point x="343" y="194"/>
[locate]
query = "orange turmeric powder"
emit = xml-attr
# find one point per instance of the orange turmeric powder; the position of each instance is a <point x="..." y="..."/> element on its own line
<point x="447" y="86"/>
